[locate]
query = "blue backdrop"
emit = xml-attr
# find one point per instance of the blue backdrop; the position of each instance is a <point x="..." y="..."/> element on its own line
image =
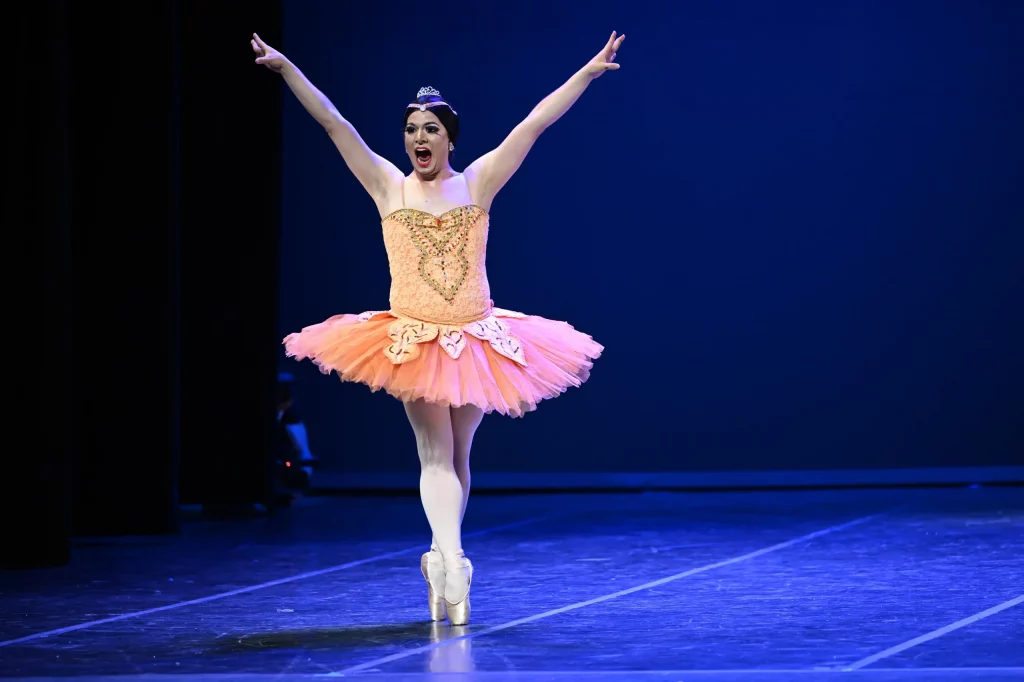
<point x="796" y="227"/>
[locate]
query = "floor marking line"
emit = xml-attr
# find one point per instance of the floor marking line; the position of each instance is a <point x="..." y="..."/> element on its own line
<point x="504" y="676"/>
<point x="253" y="588"/>
<point x="572" y="607"/>
<point x="934" y="634"/>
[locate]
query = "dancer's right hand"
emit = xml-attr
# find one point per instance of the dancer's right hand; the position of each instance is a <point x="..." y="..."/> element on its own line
<point x="268" y="56"/>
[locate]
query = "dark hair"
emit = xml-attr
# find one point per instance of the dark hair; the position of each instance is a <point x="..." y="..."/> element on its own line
<point x="431" y="100"/>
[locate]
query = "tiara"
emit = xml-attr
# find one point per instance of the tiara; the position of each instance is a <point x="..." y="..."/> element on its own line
<point x="430" y="92"/>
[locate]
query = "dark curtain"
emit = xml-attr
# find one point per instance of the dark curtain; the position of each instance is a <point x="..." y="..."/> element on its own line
<point x="147" y="183"/>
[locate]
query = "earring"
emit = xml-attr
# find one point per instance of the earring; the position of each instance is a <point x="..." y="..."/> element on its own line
<point x="451" y="147"/>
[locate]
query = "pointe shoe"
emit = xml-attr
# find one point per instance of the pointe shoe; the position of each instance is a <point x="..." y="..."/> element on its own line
<point x="458" y="578"/>
<point x="432" y="568"/>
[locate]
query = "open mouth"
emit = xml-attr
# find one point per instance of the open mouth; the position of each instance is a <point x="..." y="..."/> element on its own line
<point x="423" y="156"/>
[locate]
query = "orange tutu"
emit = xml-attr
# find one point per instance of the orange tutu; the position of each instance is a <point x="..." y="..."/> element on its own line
<point x="507" y="362"/>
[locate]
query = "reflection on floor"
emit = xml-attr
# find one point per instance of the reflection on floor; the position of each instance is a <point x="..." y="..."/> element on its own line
<point x="870" y="584"/>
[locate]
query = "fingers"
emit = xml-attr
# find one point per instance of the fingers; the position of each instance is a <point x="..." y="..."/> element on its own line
<point x="611" y="41"/>
<point x="259" y="41"/>
<point x="614" y="41"/>
<point x="255" y="47"/>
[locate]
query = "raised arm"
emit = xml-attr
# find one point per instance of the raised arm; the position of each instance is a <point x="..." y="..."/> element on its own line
<point x="375" y="173"/>
<point x="488" y="174"/>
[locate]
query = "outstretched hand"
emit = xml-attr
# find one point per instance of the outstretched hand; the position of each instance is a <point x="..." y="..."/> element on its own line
<point x="605" y="59"/>
<point x="267" y="56"/>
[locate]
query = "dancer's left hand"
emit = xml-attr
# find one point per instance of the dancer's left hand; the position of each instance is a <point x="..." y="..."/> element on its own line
<point x="605" y="59"/>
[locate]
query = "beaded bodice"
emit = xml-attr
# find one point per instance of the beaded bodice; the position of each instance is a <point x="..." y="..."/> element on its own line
<point x="438" y="270"/>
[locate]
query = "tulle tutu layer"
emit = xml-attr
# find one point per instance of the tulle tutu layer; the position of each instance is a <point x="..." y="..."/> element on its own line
<point x="506" y="363"/>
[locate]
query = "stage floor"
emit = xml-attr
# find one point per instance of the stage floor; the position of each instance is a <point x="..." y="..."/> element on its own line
<point x="792" y="585"/>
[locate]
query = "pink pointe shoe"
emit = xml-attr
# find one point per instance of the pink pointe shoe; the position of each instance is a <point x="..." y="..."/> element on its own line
<point x="458" y="572"/>
<point x="432" y="568"/>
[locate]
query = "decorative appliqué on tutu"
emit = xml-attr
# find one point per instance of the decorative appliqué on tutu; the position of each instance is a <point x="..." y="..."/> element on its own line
<point x="406" y="334"/>
<point x="498" y="334"/>
<point x="452" y="340"/>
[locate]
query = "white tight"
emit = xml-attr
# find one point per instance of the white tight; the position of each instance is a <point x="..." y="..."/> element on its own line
<point x="444" y="436"/>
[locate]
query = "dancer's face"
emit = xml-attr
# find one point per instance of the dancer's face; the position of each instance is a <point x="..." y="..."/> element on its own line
<point x="426" y="143"/>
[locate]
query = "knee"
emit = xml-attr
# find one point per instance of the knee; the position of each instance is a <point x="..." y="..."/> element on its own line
<point x="435" y="450"/>
<point x="460" y="457"/>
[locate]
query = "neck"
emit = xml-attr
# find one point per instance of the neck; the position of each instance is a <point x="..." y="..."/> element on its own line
<point x="436" y="176"/>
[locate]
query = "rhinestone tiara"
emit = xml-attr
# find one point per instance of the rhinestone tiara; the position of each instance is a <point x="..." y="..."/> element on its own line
<point x="430" y="92"/>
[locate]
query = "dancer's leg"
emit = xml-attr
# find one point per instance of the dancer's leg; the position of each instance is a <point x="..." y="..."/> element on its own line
<point x="440" y="489"/>
<point x="465" y="421"/>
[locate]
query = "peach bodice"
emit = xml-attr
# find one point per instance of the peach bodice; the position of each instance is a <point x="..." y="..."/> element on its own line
<point x="438" y="264"/>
